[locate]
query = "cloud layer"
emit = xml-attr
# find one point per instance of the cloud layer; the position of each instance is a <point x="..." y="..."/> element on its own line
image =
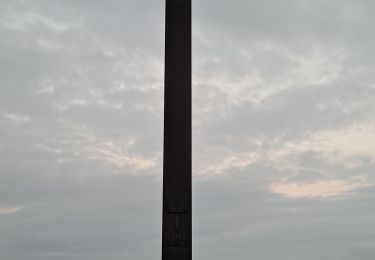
<point x="283" y="123"/>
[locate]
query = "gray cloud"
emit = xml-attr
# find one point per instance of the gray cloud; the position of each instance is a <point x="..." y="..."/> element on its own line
<point x="282" y="112"/>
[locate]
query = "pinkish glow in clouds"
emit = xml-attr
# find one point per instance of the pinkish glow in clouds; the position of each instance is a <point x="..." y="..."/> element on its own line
<point x="9" y="210"/>
<point x="322" y="189"/>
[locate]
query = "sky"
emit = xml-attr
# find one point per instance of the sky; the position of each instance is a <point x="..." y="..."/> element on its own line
<point x="283" y="129"/>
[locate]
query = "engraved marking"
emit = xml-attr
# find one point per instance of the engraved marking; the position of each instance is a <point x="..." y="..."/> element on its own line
<point x="177" y="227"/>
<point x="177" y="211"/>
<point x="177" y="239"/>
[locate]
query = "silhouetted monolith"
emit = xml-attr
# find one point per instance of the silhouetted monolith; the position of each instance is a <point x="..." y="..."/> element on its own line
<point x="177" y="207"/>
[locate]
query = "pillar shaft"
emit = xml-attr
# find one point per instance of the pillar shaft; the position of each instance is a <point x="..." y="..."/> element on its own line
<point x="177" y="207"/>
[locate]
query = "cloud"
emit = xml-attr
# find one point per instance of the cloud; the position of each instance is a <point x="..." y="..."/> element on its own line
<point x="9" y="210"/>
<point x="315" y="189"/>
<point x="283" y="108"/>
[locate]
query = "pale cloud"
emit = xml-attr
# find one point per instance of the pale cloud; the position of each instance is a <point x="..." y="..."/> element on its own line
<point x="18" y="119"/>
<point x="9" y="210"/>
<point x="24" y="19"/>
<point x="323" y="189"/>
<point x="114" y="155"/>
<point x="355" y="140"/>
<point x="237" y="162"/>
<point x="267" y="70"/>
<point x="283" y="109"/>
<point x="321" y="66"/>
<point x="83" y="144"/>
<point x="352" y="141"/>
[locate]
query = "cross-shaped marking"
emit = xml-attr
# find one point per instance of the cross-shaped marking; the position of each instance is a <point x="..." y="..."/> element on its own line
<point x="178" y="239"/>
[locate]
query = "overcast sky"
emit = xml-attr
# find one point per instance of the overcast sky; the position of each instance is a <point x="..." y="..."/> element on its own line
<point x="283" y="129"/>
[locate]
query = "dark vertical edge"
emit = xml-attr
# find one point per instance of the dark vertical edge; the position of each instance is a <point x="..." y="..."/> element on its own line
<point x="177" y="181"/>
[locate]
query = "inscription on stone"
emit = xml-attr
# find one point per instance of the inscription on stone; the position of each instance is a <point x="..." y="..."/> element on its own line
<point x="178" y="236"/>
<point x="177" y="240"/>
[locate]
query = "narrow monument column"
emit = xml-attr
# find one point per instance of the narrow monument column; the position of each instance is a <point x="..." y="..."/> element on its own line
<point x="177" y="225"/>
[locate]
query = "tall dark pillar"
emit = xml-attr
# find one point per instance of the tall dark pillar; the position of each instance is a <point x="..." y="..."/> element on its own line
<point x="177" y="225"/>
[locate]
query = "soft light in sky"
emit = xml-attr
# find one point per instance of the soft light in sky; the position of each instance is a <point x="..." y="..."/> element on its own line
<point x="283" y="129"/>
